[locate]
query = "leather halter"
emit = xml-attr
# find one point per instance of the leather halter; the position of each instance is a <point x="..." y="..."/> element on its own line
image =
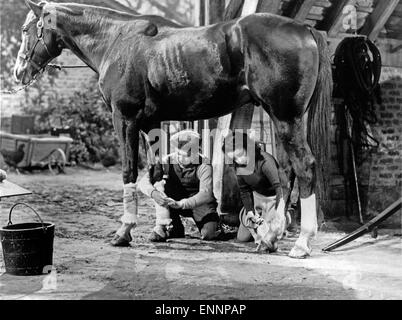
<point x="40" y="27"/>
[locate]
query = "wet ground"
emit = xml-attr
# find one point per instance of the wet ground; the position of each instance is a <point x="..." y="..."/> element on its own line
<point x="85" y="206"/>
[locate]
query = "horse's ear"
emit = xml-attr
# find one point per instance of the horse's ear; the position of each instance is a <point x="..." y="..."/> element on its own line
<point x="150" y="29"/>
<point x="36" y="8"/>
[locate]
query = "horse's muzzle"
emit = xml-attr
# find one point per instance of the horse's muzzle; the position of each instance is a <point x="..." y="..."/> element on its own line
<point x="19" y="73"/>
<point x="22" y="72"/>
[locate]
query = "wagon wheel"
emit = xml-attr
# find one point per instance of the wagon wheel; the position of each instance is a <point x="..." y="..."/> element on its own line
<point x="57" y="161"/>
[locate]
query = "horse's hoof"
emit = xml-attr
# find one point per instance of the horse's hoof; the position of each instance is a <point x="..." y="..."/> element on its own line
<point x="267" y="247"/>
<point x="156" y="237"/>
<point x="299" y="253"/>
<point x="118" y="241"/>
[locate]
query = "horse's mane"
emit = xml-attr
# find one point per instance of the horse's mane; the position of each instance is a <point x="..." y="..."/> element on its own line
<point x="76" y="9"/>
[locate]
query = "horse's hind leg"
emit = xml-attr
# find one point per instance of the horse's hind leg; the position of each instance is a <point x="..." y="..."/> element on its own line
<point x="294" y="140"/>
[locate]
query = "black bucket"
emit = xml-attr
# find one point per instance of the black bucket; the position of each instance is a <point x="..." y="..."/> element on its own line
<point x="27" y="247"/>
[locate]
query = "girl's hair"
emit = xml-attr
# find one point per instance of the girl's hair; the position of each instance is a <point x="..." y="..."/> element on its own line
<point x="237" y="140"/>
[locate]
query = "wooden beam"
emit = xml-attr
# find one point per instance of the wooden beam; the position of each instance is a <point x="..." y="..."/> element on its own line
<point x="301" y="9"/>
<point x="333" y="20"/>
<point x="377" y="20"/>
<point x="233" y="10"/>
<point x="271" y="6"/>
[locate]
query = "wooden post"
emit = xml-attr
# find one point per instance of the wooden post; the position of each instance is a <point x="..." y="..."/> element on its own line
<point x="214" y="11"/>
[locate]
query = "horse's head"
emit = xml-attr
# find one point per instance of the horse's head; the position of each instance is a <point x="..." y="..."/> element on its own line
<point x="40" y="42"/>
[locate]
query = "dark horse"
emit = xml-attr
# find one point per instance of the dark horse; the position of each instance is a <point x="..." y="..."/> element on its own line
<point x="151" y="69"/>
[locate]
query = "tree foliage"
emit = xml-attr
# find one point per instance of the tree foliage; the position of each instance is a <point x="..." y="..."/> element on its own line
<point x="12" y="16"/>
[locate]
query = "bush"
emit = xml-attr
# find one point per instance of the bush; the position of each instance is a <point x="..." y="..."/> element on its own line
<point x="90" y="125"/>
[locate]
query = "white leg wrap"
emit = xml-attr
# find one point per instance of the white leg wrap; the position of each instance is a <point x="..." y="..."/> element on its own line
<point x="309" y="225"/>
<point x="309" y="228"/>
<point x="279" y="225"/>
<point x="162" y="213"/>
<point x="130" y="204"/>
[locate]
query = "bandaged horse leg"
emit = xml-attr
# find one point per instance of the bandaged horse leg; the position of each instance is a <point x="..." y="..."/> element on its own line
<point x="294" y="139"/>
<point x="130" y="206"/>
<point x="303" y="163"/>
<point x="163" y="220"/>
<point x="128" y="138"/>
<point x="309" y="228"/>
<point x="279" y="221"/>
<point x="163" y="224"/>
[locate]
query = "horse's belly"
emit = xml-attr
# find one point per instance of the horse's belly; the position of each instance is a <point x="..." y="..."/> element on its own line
<point x="195" y="94"/>
<point x="203" y="103"/>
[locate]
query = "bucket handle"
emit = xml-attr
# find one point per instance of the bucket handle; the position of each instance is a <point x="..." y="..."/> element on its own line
<point x="24" y="204"/>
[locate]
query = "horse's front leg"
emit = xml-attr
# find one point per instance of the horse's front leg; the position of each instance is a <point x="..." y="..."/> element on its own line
<point x="128" y="135"/>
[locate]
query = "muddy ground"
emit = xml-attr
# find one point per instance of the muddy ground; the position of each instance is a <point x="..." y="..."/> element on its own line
<point x="85" y="206"/>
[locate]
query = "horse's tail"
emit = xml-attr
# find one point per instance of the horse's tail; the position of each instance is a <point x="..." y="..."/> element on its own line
<point x="319" y="119"/>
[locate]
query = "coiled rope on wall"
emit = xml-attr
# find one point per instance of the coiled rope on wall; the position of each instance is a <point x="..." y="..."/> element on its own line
<point x="357" y="73"/>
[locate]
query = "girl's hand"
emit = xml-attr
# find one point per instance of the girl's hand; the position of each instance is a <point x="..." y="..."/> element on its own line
<point x="174" y="204"/>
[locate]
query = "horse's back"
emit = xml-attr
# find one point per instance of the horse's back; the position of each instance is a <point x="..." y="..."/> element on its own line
<point x="201" y="70"/>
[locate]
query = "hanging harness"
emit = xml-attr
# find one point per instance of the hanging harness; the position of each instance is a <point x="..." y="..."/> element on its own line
<point x="357" y="73"/>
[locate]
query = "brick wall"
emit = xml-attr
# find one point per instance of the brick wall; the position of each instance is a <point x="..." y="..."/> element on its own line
<point x="380" y="176"/>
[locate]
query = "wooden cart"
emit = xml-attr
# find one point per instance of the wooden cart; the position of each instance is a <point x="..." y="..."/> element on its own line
<point x="42" y="151"/>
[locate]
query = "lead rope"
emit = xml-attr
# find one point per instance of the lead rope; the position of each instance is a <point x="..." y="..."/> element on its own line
<point x="37" y="76"/>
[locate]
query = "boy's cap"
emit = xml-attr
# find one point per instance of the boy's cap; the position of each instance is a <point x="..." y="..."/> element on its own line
<point x="185" y="137"/>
